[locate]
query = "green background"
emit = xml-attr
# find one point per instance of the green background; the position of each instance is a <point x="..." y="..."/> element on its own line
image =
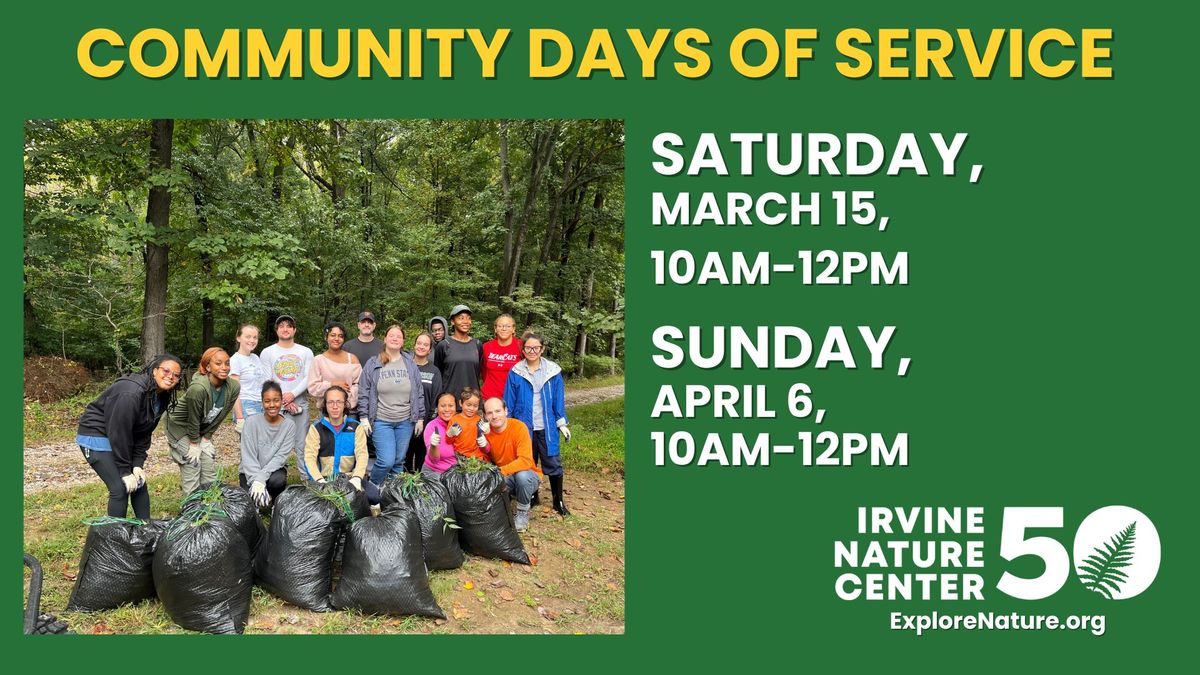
<point x="1050" y="316"/>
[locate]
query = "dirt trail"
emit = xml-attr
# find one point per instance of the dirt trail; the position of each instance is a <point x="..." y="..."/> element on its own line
<point x="596" y="395"/>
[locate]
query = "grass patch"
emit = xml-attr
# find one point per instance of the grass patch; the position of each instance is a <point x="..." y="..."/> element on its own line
<point x="56" y="422"/>
<point x="598" y="443"/>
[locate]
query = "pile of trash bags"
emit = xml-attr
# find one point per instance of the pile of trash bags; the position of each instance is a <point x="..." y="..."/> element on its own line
<point x="322" y="551"/>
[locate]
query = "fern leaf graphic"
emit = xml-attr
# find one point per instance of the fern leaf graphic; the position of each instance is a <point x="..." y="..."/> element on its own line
<point x="1102" y="571"/>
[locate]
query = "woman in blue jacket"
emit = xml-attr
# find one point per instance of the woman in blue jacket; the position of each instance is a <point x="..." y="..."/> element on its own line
<point x="114" y="432"/>
<point x="534" y="395"/>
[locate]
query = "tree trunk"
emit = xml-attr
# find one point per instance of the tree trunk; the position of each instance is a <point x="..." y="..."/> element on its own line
<point x="207" y="334"/>
<point x="585" y="303"/>
<point x="158" y="215"/>
<point x="506" y="191"/>
<point x="31" y="327"/>
<point x="539" y="276"/>
<point x="543" y="151"/>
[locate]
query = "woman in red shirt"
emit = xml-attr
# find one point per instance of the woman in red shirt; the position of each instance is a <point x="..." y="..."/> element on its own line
<point x="499" y="356"/>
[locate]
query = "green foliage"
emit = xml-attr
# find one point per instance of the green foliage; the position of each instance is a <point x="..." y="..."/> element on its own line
<point x="1101" y="572"/>
<point x="332" y="494"/>
<point x="319" y="219"/>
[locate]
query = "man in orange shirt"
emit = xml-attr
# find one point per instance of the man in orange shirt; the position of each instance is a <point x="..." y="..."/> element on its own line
<point x="511" y="449"/>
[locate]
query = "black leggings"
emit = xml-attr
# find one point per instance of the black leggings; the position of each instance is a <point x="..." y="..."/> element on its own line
<point x="276" y="482"/>
<point x="118" y="500"/>
<point x="415" y="459"/>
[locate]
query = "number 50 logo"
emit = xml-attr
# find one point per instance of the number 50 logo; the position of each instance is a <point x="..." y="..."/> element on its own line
<point x="1117" y="552"/>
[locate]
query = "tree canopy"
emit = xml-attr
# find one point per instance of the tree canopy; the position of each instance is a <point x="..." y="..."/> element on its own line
<point x="319" y="219"/>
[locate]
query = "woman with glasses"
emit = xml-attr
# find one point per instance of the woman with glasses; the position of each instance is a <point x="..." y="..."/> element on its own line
<point x="338" y="444"/>
<point x="115" y="430"/>
<point x="500" y="354"/>
<point x="534" y="394"/>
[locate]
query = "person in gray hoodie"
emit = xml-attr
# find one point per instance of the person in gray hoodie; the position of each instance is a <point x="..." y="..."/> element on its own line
<point x="267" y="440"/>
<point x="439" y="328"/>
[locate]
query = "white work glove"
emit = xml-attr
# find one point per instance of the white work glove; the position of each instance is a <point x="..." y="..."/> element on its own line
<point x="566" y="433"/>
<point x="131" y="483"/>
<point x="193" y="454"/>
<point x="481" y="441"/>
<point x="258" y="490"/>
<point x="365" y="425"/>
<point x="239" y="424"/>
<point x="454" y="430"/>
<point x="207" y="447"/>
<point x="418" y="427"/>
<point x="435" y="439"/>
<point x="357" y="483"/>
<point x="141" y="476"/>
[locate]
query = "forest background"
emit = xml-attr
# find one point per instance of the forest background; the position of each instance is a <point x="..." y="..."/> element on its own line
<point x="150" y="235"/>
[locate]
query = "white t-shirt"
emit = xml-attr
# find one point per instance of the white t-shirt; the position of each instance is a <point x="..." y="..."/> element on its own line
<point x="289" y="367"/>
<point x="250" y="373"/>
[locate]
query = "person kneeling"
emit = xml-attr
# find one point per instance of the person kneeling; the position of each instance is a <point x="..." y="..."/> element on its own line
<point x="338" y="444"/>
<point x="511" y="448"/>
<point x="267" y="441"/>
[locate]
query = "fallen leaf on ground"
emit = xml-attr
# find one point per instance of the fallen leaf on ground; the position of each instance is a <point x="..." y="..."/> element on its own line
<point x="611" y="586"/>
<point x="459" y="612"/>
<point x="440" y="622"/>
<point x="494" y="573"/>
<point x="507" y="596"/>
<point x="469" y="585"/>
<point x="101" y="629"/>
<point x="574" y="543"/>
<point x="547" y="614"/>
<point x="538" y="584"/>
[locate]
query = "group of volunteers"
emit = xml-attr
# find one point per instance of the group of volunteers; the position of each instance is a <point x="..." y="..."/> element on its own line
<point x="383" y="410"/>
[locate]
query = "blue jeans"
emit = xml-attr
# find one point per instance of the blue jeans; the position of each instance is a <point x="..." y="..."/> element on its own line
<point x="391" y="444"/>
<point x="522" y="485"/>
<point x="251" y="408"/>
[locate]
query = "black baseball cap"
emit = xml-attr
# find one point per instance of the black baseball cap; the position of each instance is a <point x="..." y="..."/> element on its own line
<point x="366" y="316"/>
<point x="285" y="317"/>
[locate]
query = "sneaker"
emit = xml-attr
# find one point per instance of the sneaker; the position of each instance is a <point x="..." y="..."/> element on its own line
<point x="522" y="521"/>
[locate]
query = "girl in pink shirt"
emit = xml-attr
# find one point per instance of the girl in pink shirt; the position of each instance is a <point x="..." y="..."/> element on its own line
<point x="439" y="450"/>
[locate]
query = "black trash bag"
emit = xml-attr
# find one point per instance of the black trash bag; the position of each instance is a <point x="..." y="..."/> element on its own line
<point x="295" y="563"/>
<point x="430" y="501"/>
<point x="382" y="568"/>
<point x="203" y="574"/>
<point x="481" y="511"/>
<point x="117" y="565"/>
<point x="238" y="506"/>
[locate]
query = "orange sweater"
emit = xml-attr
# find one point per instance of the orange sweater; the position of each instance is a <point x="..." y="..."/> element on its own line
<point x="512" y="449"/>
<point x="464" y="443"/>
